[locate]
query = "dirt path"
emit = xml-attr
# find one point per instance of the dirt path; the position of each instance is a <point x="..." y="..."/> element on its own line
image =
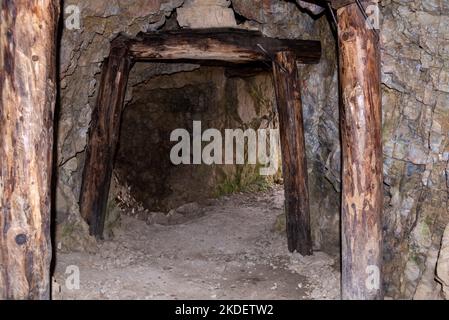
<point x="231" y="252"/>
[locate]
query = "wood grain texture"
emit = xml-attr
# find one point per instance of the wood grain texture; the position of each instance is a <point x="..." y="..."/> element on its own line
<point x="27" y="101"/>
<point x="336" y="4"/>
<point x="294" y="164"/>
<point x="220" y="45"/>
<point x="361" y="121"/>
<point x="103" y="139"/>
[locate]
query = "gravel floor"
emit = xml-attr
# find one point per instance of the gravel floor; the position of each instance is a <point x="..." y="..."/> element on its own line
<point x="231" y="252"/>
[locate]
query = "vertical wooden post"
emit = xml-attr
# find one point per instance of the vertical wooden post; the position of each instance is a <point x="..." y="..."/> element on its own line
<point x="294" y="164"/>
<point x="361" y="118"/>
<point x="27" y="101"/>
<point x="103" y="139"/>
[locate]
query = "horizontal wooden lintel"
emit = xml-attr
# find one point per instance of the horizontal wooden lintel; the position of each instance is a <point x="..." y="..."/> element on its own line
<point x="336" y="4"/>
<point x="234" y="46"/>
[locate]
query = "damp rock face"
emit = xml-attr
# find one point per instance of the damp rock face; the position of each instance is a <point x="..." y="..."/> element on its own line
<point x="415" y="60"/>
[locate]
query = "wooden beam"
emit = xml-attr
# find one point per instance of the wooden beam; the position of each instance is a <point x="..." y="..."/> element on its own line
<point x="221" y="45"/>
<point x="336" y="4"/>
<point x="294" y="164"/>
<point x="361" y="118"/>
<point x="103" y="139"/>
<point x="27" y="101"/>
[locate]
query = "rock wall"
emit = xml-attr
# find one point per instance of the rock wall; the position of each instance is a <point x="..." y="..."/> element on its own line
<point x="88" y="27"/>
<point x="415" y="77"/>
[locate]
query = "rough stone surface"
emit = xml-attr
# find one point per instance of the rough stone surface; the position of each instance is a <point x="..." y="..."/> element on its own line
<point x="206" y="14"/>
<point x="312" y="8"/>
<point x="415" y="62"/>
<point x="168" y="102"/>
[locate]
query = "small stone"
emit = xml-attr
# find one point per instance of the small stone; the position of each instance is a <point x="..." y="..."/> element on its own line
<point x="189" y="209"/>
<point x="176" y="218"/>
<point x="158" y="218"/>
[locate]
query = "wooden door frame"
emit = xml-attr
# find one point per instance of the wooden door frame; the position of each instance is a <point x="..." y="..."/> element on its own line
<point x="203" y="46"/>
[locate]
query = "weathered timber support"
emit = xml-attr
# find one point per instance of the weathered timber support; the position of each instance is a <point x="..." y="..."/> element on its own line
<point x="223" y="45"/>
<point x="27" y="101"/>
<point x="294" y="164"/>
<point x="103" y="139"/>
<point x="220" y="46"/>
<point x="361" y="118"/>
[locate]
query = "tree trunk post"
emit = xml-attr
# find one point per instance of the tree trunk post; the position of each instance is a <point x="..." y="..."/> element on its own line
<point x="294" y="163"/>
<point x="27" y="100"/>
<point x="103" y="139"/>
<point x="361" y="121"/>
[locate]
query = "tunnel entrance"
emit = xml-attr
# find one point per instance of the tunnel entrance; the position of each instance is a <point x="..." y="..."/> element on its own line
<point x="236" y="47"/>
<point x="212" y="97"/>
<point x="29" y="126"/>
<point x="200" y="230"/>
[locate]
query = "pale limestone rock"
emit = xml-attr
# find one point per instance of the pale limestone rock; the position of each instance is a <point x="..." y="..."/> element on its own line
<point x="412" y="271"/>
<point x="427" y="287"/>
<point x="415" y="118"/>
<point x="443" y="84"/>
<point x="206" y="14"/>
<point x="313" y="8"/>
